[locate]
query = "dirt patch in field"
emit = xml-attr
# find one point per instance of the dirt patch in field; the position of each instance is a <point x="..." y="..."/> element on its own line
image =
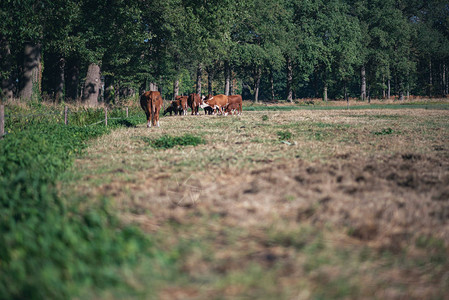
<point x="384" y="201"/>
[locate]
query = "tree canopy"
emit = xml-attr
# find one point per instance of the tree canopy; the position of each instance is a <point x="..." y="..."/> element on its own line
<point x="263" y="49"/>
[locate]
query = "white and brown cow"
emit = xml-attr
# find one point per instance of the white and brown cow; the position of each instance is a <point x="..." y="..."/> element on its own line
<point x="216" y="102"/>
<point x="236" y="102"/>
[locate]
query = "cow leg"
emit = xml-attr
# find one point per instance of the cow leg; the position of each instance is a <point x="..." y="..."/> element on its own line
<point x="148" y="119"/>
<point x="157" y="118"/>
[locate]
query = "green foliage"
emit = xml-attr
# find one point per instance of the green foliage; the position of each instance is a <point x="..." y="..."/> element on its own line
<point x="327" y="43"/>
<point x="50" y="248"/>
<point x="35" y="114"/>
<point x="167" y="141"/>
<point x="284" y="135"/>
<point x="384" y="131"/>
<point x="264" y="118"/>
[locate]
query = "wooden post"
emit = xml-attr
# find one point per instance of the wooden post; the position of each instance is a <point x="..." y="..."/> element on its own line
<point x="127" y="111"/>
<point x="106" y="116"/>
<point x="66" y="120"/>
<point x="2" y="121"/>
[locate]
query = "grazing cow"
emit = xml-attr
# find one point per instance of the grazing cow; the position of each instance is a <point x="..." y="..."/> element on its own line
<point x="194" y="102"/>
<point x="216" y="102"/>
<point x="183" y="100"/>
<point x="208" y="110"/>
<point x="151" y="103"/>
<point x="232" y="107"/>
<point x="175" y="107"/>
<point x="236" y="99"/>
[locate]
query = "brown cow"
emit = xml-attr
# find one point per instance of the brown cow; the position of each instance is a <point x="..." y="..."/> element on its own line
<point x="232" y="107"/>
<point x="183" y="100"/>
<point x="175" y="107"/>
<point x="217" y="102"/>
<point x="151" y="103"/>
<point x="237" y="100"/>
<point x="194" y="102"/>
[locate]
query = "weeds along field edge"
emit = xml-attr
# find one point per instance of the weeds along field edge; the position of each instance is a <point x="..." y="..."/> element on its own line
<point x="52" y="248"/>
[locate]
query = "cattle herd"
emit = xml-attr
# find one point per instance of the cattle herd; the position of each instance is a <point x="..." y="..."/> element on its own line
<point x="151" y="103"/>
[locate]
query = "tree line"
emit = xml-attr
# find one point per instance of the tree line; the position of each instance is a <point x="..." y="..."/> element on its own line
<point x="263" y="49"/>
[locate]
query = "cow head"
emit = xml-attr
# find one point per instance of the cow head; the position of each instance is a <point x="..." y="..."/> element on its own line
<point x="205" y="101"/>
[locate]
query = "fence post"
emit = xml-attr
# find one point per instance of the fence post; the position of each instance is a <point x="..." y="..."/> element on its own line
<point x="2" y="121"/>
<point x="127" y="111"/>
<point x="106" y="116"/>
<point x="66" y="120"/>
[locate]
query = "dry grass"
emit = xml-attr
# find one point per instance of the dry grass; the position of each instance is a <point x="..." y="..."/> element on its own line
<point x="355" y="204"/>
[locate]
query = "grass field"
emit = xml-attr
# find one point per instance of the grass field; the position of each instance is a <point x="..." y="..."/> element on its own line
<point x="296" y="204"/>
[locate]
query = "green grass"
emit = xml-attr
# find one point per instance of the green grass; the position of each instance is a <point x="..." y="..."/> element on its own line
<point x="51" y="248"/>
<point x="384" y="131"/>
<point x="167" y="141"/>
<point x="437" y="106"/>
<point x="284" y="135"/>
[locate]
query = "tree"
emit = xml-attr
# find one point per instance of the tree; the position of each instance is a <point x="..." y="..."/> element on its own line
<point x="21" y="34"/>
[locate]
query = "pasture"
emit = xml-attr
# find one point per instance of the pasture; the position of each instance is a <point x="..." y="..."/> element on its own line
<point x="294" y="204"/>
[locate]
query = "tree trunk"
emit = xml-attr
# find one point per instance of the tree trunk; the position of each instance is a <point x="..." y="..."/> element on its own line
<point x="72" y="80"/>
<point x="383" y="87"/>
<point x="153" y="87"/>
<point x="368" y="93"/>
<point x="363" y="87"/>
<point x="60" y="83"/>
<point x="7" y="83"/>
<point x="32" y="67"/>
<point x="289" y="80"/>
<point x="257" y="84"/>
<point x="227" y="78"/>
<point x="175" y="88"/>
<point x="209" y="81"/>
<point x="388" y="88"/>
<point x="231" y="83"/>
<point x="325" y="91"/>
<point x="117" y="92"/>
<point x="109" y="89"/>
<point x="199" y="73"/>
<point x="443" y="79"/>
<point x="92" y="85"/>
<point x="345" y="94"/>
<point x="430" y="78"/>
<point x="272" y="84"/>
